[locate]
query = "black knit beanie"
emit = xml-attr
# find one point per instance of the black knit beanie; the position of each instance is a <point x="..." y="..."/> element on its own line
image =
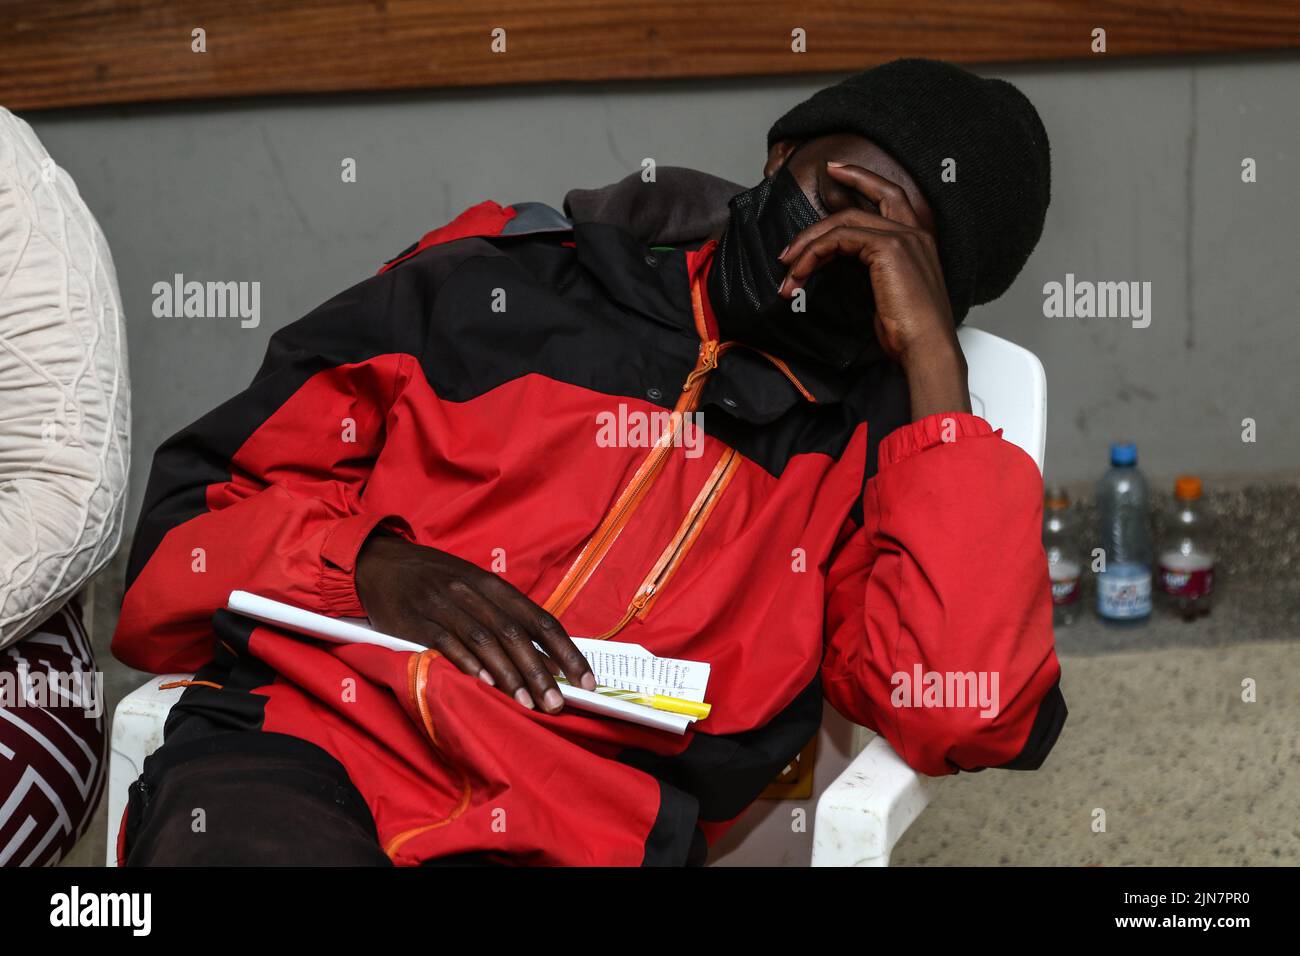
<point x="923" y="112"/>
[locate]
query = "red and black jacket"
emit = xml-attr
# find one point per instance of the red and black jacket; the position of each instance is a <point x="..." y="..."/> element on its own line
<point x="818" y="543"/>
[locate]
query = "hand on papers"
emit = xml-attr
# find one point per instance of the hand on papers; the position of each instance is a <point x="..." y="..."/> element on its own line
<point x="476" y="619"/>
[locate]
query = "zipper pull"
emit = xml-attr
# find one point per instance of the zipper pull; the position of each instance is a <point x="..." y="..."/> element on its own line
<point x="705" y="364"/>
<point x="639" y="602"/>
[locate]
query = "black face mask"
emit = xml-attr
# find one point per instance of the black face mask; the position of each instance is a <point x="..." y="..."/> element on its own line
<point x="836" y="329"/>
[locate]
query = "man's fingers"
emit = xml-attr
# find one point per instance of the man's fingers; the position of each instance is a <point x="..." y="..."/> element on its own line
<point x="551" y="635"/>
<point x="545" y="630"/>
<point x="838" y="242"/>
<point x="888" y="196"/>
<point x="560" y="647"/>
<point x="476" y="634"/>
<point x="533" y="665"/>
<point x="517" y="641"/>
<point x="436" y="636"/>
<point x="857" y="218"/>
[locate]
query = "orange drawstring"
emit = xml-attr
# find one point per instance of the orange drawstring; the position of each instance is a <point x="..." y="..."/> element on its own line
<point x="171" y="684"/>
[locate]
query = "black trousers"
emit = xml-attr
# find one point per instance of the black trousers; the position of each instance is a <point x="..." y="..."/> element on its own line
<point x="252" y="799"/>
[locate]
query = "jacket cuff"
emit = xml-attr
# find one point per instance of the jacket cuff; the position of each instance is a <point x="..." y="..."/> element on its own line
<point x="338" y="586"/>
<point x="1042" y="735"/>
<point x="937" y="429"/>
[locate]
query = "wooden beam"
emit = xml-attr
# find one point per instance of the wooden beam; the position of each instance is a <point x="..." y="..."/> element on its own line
<point x="80" y="52"/>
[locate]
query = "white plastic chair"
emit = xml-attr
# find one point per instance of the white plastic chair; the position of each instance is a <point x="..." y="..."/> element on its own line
<point x="137" y="732"/>
<point x="863" y="813"/>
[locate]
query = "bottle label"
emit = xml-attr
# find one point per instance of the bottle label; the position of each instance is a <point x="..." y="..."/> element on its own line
<point x="1187" y="584"/>
<point x="1065" y="591"/>
<point x="1124" y="592"/>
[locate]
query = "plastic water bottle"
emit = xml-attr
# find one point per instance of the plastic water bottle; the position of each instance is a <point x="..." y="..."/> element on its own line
<point x="1186" y="577"/>
<point x="1124" y="587"/>
<point x="1064" y="561"/>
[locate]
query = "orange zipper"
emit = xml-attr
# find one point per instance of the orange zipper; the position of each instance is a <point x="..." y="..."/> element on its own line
<point x="681" y="542"/>
<point x="418" y="675"/>
<point x="603" y="538"/>
<point x="788" y="373"/>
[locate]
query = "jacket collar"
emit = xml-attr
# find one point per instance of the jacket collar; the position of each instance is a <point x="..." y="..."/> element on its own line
<point x="620" y="231"/>
<point x="680" y="207"/>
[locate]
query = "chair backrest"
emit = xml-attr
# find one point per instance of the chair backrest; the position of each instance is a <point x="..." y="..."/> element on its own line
<point x="1008" y="388"/>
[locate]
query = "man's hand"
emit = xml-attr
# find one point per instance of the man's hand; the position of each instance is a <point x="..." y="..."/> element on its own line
<point x="913" y="316"/>
<point x="477" y="620"/>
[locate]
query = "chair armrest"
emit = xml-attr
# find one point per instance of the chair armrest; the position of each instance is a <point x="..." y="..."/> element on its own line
<point x="137" y="732"/>
<point x="869" y="806"/>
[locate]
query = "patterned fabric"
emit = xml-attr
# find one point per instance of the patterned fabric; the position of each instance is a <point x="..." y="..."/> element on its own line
<point x="51" y="743"/>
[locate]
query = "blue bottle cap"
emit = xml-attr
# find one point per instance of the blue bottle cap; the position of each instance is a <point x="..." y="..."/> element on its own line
<point x="1123" y="453"/>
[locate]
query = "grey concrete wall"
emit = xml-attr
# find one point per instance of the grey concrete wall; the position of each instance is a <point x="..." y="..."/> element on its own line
<point x="1147" y="187"/>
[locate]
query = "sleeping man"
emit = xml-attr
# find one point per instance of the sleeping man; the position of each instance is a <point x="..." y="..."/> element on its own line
<point x="430" y="449"/>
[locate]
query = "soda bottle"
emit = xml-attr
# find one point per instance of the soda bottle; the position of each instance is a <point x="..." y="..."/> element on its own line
<point x="1064" y="561"/>
<point x="1124" y="587"/>
<point x="1186" y="577"/>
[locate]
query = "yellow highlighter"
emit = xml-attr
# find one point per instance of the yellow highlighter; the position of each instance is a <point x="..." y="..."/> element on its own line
<point x="673" y="705"/>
